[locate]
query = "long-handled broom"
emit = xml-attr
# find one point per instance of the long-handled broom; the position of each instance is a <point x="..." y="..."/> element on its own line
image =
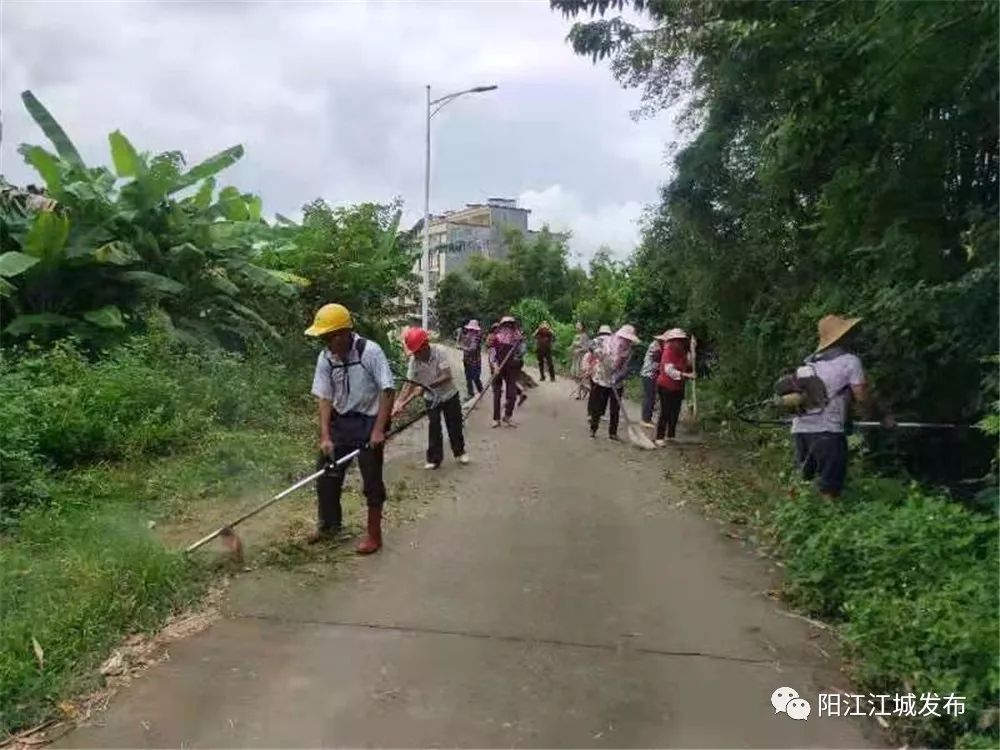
<point x="230" y="537"/>
<point x="489" y="385"/>
<point x="639" y="438"/>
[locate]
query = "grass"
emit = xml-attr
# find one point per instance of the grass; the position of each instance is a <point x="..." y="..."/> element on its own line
<point x="84" y="570"/>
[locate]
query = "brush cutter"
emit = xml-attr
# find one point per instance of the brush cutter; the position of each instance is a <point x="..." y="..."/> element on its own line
<point x="227" y="531"/>
<point x="639" y="438"/>
<point x="743" y="415"/>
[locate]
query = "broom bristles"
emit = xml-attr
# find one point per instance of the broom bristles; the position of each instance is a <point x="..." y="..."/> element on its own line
<point x="640" y="439"/>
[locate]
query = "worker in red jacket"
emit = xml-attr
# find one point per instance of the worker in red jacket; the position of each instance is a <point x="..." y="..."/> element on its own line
<point x="675" y="368"/>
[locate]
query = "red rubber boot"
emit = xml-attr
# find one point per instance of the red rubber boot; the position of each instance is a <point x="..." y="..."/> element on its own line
<point x="373" y="539"/>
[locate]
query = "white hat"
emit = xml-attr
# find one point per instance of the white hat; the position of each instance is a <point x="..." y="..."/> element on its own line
<point x="627" y="332"/>
<point x="472" y="325"/>
<point x="604" y="330"/>
<point x="507" y="319"/>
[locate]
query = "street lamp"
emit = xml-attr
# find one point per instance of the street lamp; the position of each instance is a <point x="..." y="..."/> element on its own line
<point x="438" y="105"/>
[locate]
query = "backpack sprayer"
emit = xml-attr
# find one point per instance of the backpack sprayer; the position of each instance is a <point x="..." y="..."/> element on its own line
<point x="226" y="532"/>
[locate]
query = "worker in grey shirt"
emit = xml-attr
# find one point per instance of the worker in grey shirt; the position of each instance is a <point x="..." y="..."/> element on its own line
<point x="355" y="389"/>
<point x="429" y="367"/>
<point x="820" y="437"/>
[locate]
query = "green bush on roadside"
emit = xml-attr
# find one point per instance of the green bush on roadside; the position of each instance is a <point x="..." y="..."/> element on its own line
<point x="912" y="579"/>
<point x="908" y="576"/>
<point x="60" y="410"/>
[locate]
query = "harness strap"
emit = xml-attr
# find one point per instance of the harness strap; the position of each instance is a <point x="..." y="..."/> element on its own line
<point x="359" y="348"/>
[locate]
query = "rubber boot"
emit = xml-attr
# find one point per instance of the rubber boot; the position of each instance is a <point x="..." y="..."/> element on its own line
<point x="373" y="538"/>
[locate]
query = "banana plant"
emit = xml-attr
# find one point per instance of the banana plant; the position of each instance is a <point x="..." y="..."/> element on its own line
<point x="109" y="244"/>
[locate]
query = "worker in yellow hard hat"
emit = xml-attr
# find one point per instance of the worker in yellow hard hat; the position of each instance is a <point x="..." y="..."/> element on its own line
<point x="355" y="389"/>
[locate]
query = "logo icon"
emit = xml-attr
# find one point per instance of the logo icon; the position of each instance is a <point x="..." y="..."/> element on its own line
<point x="786" y="700"/>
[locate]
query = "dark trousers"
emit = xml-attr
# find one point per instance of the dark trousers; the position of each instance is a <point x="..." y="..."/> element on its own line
<point x="452" y="410"/>
<point x="330" y="485"/>
<point x="823" y="454"/>
<point x="648" y="398"/>
<point x="472" y="378"/>
<point x="597" y="404"/>
<point x="545" y="358"/>
<point x="670" y="410"/>
<point x="505" y="381"/>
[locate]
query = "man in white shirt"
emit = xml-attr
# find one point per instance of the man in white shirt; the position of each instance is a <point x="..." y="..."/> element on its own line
<point x="430" y="368"/>
<point x="355" y="389"/>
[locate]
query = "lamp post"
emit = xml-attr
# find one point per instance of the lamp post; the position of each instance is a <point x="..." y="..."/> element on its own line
<point x="438" y="105"/>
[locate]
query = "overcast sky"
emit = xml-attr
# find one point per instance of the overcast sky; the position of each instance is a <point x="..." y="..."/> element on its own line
<point x="328" y="100"/>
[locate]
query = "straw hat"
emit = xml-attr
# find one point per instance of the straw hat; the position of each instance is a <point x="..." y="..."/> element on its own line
<point x="672" y="333"/>
<point x="832" y="328"/>
<point x="543" y="324"/>
<point x="472" y="325"/>
<point x="627" y="332"/>
<point x="604" y="330"/>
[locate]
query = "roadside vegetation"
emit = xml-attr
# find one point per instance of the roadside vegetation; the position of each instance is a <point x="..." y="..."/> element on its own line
<point x="154" y="366"/>
<point x="840" y="157"/>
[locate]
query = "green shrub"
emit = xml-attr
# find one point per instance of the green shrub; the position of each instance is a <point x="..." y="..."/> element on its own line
<point x="60" y="410"/>
<point x="911" y="576"/>
<point x="530" y="312"/>
<point x="565" y="332"/>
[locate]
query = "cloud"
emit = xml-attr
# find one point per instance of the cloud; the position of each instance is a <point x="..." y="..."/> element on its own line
<point x="328" y="99"/>
<point x="614" y="225"/>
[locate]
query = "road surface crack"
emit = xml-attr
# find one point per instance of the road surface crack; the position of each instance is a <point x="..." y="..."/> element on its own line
<point x="563" y="643"/>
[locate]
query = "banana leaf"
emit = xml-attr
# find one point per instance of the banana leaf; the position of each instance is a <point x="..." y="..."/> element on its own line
<point x="46" y="164"/>
<point x="117" y="253"/>
<point x="207" y="168"/>
<point x="154" y="282"/>
<point x="27" y="325"/>
<point x="186" y="257"/>
<point x="108" y="316"/>
<point x="53" y="131"/>
<point x="127" y="161"/>
<point x="218" y="280"/>
<point x="203" y="198"/>
<point x="47" y="236"/>
<point x="13" y="263"/>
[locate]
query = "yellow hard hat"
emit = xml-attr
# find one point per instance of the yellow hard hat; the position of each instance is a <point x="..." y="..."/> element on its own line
<point x="330" y="318"/>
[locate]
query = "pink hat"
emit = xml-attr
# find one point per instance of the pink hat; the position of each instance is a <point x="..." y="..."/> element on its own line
<point x="627" y="332"/>
<point x="472" y="325"/>
<point x="673" y="333"/>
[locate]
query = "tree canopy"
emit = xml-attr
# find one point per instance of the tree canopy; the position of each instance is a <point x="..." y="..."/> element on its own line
<point x="843" y="158"/>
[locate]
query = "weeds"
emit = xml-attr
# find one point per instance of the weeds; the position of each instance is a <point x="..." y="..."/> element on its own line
<point x="908" y="576"/>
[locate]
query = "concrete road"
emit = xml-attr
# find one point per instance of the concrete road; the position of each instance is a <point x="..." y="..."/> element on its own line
<point x="555" y="597"/>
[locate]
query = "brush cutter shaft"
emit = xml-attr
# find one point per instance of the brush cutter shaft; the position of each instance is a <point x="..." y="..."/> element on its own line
<point x="312" y="477"/>
<point x="251" y="513"/>
<point x="743" y="416"/>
